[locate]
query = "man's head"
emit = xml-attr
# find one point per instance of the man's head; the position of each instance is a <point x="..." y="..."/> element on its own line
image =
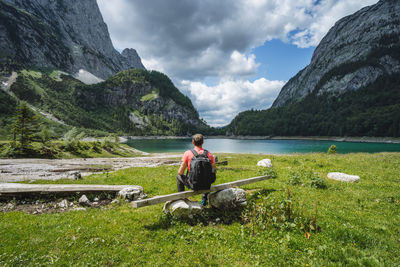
<point x="198" y="140"/>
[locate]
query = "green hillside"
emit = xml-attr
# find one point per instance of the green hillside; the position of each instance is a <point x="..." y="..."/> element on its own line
<point x="133" y="102"/>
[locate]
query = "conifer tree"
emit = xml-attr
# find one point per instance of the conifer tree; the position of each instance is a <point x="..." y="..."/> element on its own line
<point x="25" y="126"/>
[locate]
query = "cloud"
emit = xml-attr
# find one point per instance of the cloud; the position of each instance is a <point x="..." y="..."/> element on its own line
<point x="219" y="104"/>
<point x="325" y="15"/>
<point x="198" y="41"/>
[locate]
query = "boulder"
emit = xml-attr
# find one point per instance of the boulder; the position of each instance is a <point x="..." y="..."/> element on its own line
<point x="343" y="177"/>
<point x="230" y="198"/>
<point x="265" y="163"/>
<point x="83" y="200"/>
<point x="132" y="193"/>
<point x="182" y="207"/>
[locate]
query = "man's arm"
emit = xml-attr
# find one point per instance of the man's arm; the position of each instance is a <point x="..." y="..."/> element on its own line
<point x="182" y="168"/>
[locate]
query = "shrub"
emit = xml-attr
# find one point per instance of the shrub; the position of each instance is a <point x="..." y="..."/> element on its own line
<point x="332" y="150"/>
<point x="318" y="183"/>
<point x="267" y="171"/>
<point x="295" y="179"/>
<point x="283" y="214"/>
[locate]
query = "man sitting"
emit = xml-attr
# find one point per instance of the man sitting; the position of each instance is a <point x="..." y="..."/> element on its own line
<point x="203" y="172"/>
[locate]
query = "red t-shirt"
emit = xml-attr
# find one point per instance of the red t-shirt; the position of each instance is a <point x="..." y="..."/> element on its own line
<point x="187" y="157"/>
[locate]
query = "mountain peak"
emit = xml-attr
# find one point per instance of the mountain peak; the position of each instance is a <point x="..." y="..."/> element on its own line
<point x="67" y="34"/>
<point x="355" y="52"/>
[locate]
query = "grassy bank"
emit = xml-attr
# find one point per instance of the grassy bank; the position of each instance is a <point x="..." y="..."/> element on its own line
<point x="63" y="150"/>
<point x="354" y="224"/>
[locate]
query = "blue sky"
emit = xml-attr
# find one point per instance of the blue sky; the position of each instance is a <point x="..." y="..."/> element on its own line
<point x="281" y="61"/>
<point x="226" y="56"/>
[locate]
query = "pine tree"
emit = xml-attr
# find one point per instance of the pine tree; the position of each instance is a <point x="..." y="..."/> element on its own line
<point x="25" y="126"/>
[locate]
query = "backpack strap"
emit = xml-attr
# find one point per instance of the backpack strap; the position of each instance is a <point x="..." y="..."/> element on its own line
<point x="194" y="152"/>
<point x="205" y="153"/>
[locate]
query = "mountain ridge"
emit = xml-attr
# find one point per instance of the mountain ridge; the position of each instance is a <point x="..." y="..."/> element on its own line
<point x="350" y="40"/>
<point x="64" y="35"/>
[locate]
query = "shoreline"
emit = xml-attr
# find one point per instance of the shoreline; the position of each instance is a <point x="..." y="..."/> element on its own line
<point x="364" y="139"/>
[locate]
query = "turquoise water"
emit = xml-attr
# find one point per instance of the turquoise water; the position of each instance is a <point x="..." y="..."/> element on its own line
<point x="260" y="146"/>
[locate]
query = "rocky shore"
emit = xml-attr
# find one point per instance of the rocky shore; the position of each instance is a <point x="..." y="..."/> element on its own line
<point x="16" y="170"/>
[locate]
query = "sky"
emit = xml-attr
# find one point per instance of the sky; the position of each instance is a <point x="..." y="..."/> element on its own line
<point x="226" y="56"/>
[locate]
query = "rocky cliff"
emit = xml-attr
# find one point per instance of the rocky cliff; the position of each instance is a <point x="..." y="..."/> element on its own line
<point x="68" y="35"/>
<point x="355" y="53"/>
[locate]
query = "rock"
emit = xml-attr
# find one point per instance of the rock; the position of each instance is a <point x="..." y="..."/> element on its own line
<point x="9" y="206"/>
<point x="95" y="203"/>
<point x="265" y="163"/>
<point x="230" y="198"/>
<point x="79" y="209"/>
<point x="115" y="201"/>
<point x="63" y="204"/>
<point x="338" y="176"/>
<point x="182" y="207"/>
<point x="96" y="199"/>
<point x="83" y="200"/>
<point x="132" y="193"/>
<point x="75" y="175"/>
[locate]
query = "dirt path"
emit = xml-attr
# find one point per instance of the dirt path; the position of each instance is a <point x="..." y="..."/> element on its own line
<point x="14" y="170"/>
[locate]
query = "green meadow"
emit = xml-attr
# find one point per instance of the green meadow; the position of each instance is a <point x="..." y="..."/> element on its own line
<point x="298" y="218"/>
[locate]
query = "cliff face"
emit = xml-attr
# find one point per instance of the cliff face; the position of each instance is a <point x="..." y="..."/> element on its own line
<point x="358" y="50"/>
<point x="66" y="34"/>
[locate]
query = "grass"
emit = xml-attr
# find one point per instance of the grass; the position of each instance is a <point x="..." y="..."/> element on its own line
<point x="62" y="149"/>
<point x="359" y="222"/>
<point x="149" y="97"/>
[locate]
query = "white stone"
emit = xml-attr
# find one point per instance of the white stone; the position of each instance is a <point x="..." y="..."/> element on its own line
<point x="9" y="206"/>
<point x="79" y="209"/>
<point x="83" y="200"/>
<point x="115" y="201"/>
<point x="265" y="163"/>
<point x="230" y="198"/>
<point x="63" y="204"/>
<point x="132" y="193"/>
<point x="343" y="177"/>
<point x="182" y="207"/>
<point x="96" y="199"/>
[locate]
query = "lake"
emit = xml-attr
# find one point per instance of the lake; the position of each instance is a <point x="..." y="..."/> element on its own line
<point x="260" y="146"/>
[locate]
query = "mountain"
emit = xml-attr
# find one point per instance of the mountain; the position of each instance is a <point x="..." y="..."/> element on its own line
<point x="58" y="57"/>
<point x="358" y="50"/>
<point x="132" y="102"/>
<point x="68" y="35"/>
<point x="351" y="86"/>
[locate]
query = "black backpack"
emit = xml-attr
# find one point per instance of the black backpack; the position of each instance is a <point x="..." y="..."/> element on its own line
<point x="200" y="174"/>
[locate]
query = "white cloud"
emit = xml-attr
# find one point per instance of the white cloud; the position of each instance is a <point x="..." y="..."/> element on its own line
<point x="324" y="17"/>
<point x="219" y="104"/>
<point x="197" y="41"/>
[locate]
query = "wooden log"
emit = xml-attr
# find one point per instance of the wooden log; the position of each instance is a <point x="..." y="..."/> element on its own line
<point x="225" y="162"/>
<point x="180" y="195"/>
<point x="14" y="188"/>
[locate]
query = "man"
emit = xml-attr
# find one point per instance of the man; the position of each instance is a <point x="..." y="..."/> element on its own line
<point x="183" y="180"/>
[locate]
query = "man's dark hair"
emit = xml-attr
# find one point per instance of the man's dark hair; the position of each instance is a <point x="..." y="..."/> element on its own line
<point x="198" y="139"/>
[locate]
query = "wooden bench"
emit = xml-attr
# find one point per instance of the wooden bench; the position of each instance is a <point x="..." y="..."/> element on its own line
<point x="180" y="195"/>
